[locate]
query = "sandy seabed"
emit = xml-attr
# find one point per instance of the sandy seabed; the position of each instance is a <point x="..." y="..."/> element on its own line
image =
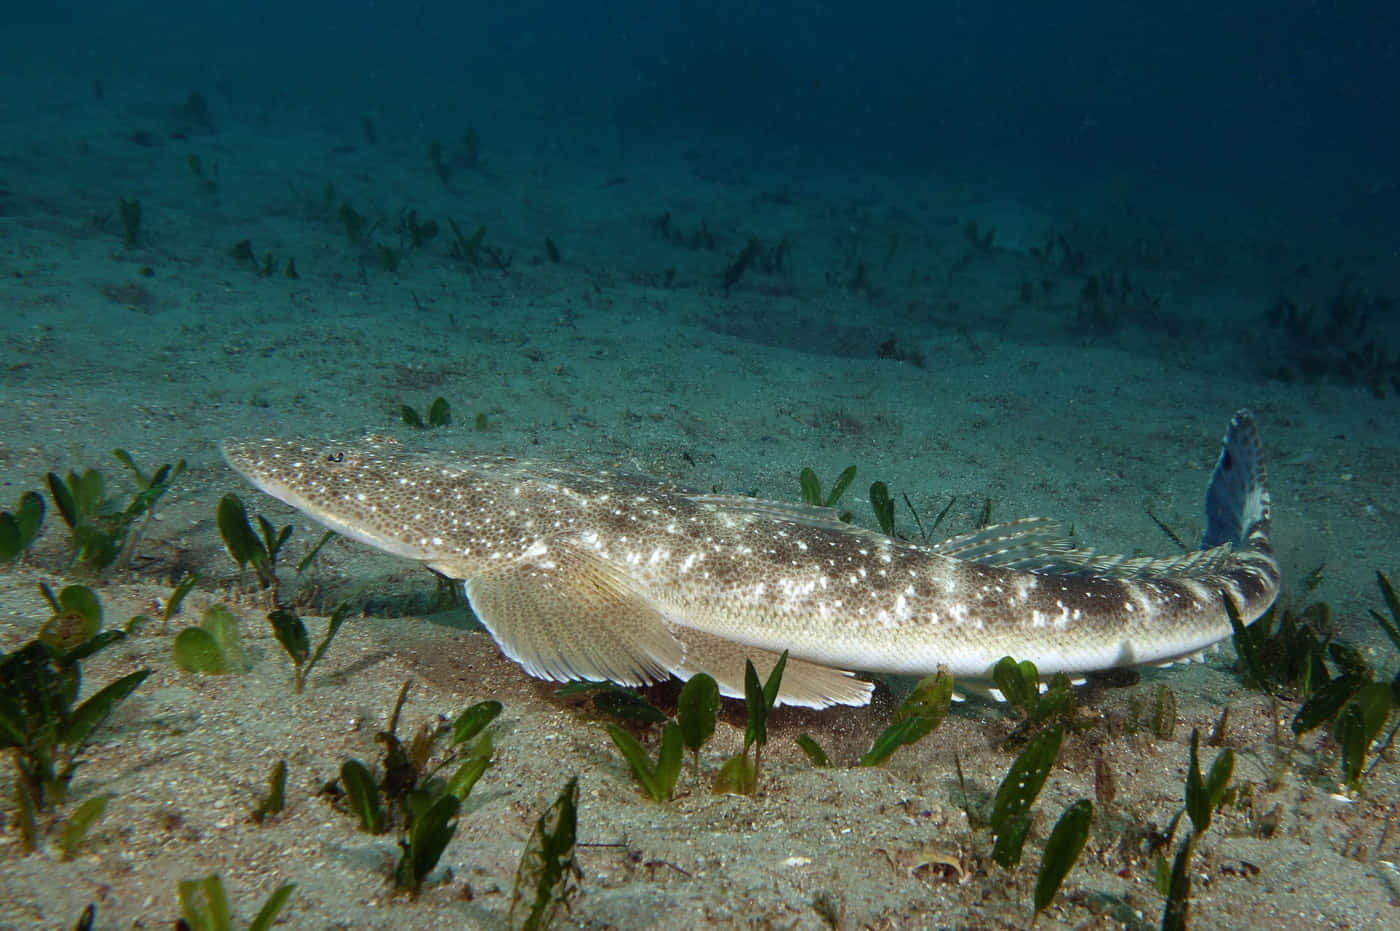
<point x="631" y="350"/>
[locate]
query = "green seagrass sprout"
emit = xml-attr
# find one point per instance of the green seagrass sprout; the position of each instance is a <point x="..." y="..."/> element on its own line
<point x="439" y="415"/>
<point x="214" y="648"/>
<point x="548" y="875"/>
<point x="18" y="530"/>
<point x="411" y="795"/>
<point x="291" y="634"/>
<point x="40" y="719"/>
<point x="204" y="905"/>
<point x="102" y="532"/>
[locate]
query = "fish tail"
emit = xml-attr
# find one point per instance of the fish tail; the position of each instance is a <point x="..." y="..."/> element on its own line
<point x="1237" y="500"/>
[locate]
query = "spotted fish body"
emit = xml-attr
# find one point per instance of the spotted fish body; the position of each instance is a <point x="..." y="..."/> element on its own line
<point x="585" y="574"/>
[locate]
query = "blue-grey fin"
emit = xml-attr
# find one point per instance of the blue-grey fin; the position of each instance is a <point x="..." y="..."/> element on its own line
<point x="1238" y="498"/>
<point x="563" y="614"/>
<point x="805" y="684"/>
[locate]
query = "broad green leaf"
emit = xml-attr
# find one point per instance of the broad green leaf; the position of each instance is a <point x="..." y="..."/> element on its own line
<point x="14" y="729"/>
<point x="11" y="541"/>
<point x="668" y="761"/>
<point x="77" y="621"/>
<point x="1011" y="807"/>
<point x="843" y="481"/>
<point x="1217" y="781"/>
<point x="1375" y="701"/>
<point x="1019" y="683"/>
<point x="1349" y="730"/>
<point x="428" y="837"/>
<point x="241" y="542"/>
<point x="883" y="506"/>
<point x="332" y="628"/>
<point x="475" y="766"/>
<point x="64" y="499"/>
<point x="626" y="704"/>
<point x="582" y="685"/>
<point x="1358" y="725"/>
<point x="79" y="822"/>
<point x="439" y="414"/>
<point x="29" y="516"/>
<point x="814" y="751"/>
<point x="1175" y="915"/>
<point x="363" y="796"/>
<point x="196" y="650"/>
<point x="311" y="555"/>
<point x="474" y="720"/>
<point x="92" y="646"/>
<point x="759" y="700"/>
<point x="338" y="618"/>
<point x="1056" y="698"/>
<point x="82" y="601"/>
<point x="276" y="798"/>
<point x="94" y="547"/>
<point x="291" y="634"/>
<point x="548" y="875"/>
<point x="1198" y="806"/>
<point x="737" y="776"/>
<point x="639" y="761"/>
<point x="756" y="730"/>
<point x="774" y="681"/>
<point x="273" y="539"/>
<point x="18" y="530"/>
<point x="1204" y="794"/>
<point x="696" y="710"/>
<point x="125" y="459"/>
<point x="178" y="594"/>
<point x="88" y="493"/>
<point x="1325" y="703"/>
<point x="1246" y="641"/>
<point x="893" y="737"/>
<point x="917" y="717"/>
<point x="91" y="713"/>
<point x="1392" y="603"/>
<point x="1062" y="850"/>
<point x="204" y="904"/>
<point x="272" y="907"/>
<point x="223" y="625"/>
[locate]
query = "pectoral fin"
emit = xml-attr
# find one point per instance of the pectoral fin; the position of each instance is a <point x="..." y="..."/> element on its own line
<point x="565" y="615"/>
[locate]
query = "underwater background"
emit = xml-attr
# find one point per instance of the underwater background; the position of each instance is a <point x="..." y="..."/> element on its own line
<point x="1010" y="259"/>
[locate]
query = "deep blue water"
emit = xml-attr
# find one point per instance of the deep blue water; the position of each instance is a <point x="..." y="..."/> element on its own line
<point x="1282" y="105"/>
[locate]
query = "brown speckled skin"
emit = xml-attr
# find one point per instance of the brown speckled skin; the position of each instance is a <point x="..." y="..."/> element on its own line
<point x="764" y="574"/>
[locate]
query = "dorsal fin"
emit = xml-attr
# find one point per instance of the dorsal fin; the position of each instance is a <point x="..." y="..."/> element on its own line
<point x="1038" y="544"/>
<point x="808" y="515"/>
<point x="1032" y="543"/>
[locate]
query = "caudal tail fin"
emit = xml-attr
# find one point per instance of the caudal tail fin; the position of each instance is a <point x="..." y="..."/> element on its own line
<point x="1237" y="501"/>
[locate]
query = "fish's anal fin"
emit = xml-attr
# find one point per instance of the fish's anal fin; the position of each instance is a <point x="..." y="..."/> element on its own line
<point x="563" y="615"/>
<point x="808" y="685"/>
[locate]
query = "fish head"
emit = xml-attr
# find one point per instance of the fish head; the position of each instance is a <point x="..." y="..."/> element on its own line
<point x="373" y="492"/>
